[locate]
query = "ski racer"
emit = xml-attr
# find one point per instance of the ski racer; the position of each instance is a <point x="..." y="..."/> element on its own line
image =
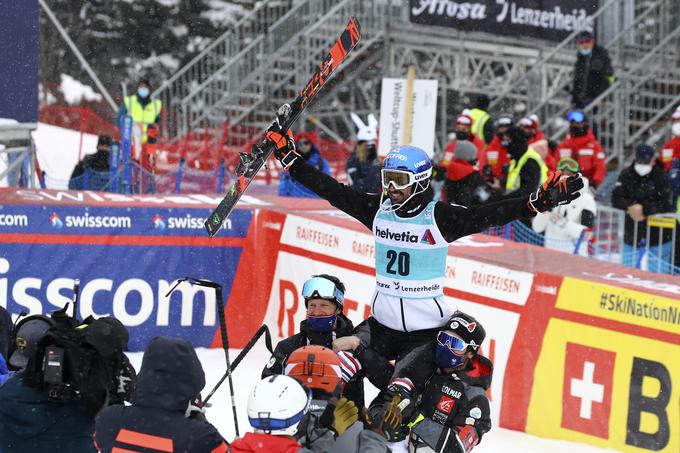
<point x="412" y="234"/>
<point x="453" y="410"/>
<point x="278" y="409"/>
<point x="324" y="296"/>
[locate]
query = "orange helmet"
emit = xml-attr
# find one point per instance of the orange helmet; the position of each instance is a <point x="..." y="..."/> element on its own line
<point x="316" y="367"/>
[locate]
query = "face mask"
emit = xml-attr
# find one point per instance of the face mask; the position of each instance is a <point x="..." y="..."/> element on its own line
<point x="675" y="129"/>
<point x="585" y="52"/>
<point x="577" y="131"/>
<point x="505" y="143"/>
<point x="321" y="323"/>
<point x="143" y="92"/>
<point x="643" y="169"/>
<point x="446" y="358"/>
<point x="460" y="135"/>
<point x="516" y="149"/>
<point x="371" y="151"/>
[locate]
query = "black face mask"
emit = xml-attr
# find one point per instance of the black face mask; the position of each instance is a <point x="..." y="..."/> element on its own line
<point x="460" y="135"/>
<point x="516" y="149"/>
<point x="578" y="131"/>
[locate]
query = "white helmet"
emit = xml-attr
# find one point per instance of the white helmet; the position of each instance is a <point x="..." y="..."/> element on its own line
<point x="277" y="404"/>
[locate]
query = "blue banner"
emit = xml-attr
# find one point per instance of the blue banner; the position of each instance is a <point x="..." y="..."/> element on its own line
<point x="127" y="259"/>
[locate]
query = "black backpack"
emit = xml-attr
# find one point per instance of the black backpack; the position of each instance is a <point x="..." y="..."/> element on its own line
<point x="83" y="361"/>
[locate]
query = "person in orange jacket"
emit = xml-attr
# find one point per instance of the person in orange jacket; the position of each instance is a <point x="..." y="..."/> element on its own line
<point x="671" y="150"/>
<point x="581" y="145"/>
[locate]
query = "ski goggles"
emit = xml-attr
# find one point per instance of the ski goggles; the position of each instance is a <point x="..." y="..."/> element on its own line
<point x="576" y="117"/>
<point x="398" y="178"/>
<point x="455" y="344"/>
<point x="567" y="163"/>
<point x="267" y="424"/>
<point x="322" y="288"/>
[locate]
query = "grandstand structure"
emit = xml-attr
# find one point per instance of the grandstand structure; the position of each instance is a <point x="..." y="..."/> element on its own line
<point x="259" y="63"/>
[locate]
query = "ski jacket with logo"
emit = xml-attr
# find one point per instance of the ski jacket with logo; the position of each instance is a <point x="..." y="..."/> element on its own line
<point x="588" y="152"/>
<point x="408" y="301"/>
<point x="452" y="405"/>
<point x="465" y="186"/>
<point x="669" y="152"/>
<point x="569" y="225"/>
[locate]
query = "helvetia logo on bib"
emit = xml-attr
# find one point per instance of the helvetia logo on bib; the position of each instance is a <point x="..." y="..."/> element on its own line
<point x="428" y="238"/>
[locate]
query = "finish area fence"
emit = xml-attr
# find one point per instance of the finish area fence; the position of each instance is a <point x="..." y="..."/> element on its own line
<point x="605" y="241"/>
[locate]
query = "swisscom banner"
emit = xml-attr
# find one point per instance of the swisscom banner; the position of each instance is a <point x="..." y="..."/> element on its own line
<point x="127" y="259"/>
<point x="544" y="19"/>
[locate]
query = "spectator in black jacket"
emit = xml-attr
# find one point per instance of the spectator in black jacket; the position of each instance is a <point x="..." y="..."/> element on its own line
<point x="464" y="184"/>
<point x="93" y="164"/>
<point x="593" y="71"/>
<point x="324" y="296"/>
<point x="643" y="189"/>
<point x="363" y="168"/>
<point x="166" y="409"/>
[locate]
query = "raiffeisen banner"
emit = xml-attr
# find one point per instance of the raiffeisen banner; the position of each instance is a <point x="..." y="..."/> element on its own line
<point x="126" y="258"/>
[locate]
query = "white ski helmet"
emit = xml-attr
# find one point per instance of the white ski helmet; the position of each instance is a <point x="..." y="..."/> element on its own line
<point x="277" y="404"/>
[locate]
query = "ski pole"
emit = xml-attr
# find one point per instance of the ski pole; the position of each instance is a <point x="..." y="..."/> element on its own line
<point x="76" y="296"/>
<point x="268" y="342"/>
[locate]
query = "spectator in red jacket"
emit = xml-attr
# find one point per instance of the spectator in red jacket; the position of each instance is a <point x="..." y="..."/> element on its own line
<point x="463" y="131"/>
<point x="496" y="155"/>
<point x="581" y="145"/>
<point x="671" y="150"/>
<point x="536" y="138"/>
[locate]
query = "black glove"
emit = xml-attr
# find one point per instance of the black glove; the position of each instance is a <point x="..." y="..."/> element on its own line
<point x="388" y="414"/>
<point x="285" y="150"/>
<point x="439" y="173"/>
<point x="555" y="191"/>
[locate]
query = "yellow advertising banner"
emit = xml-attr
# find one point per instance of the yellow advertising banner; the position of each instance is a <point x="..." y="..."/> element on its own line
<point x="606" y="388"/>
<point x="620" y="304"/>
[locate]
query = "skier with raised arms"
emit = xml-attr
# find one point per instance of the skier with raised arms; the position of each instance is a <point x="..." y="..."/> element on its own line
<point x="412" y="234"/>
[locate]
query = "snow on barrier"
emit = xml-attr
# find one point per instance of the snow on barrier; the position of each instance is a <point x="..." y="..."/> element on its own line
<point x="584" y="350"/>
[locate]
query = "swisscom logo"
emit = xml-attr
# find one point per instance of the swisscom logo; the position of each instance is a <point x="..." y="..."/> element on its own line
<point x="185" y="222"/>
<point x="90" y="221"/>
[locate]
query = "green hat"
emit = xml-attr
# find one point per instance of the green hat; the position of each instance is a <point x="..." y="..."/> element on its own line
<point x="567" y="163"/>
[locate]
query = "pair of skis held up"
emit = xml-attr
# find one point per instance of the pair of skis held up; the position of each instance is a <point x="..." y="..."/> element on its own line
<point x="250" y="164"/>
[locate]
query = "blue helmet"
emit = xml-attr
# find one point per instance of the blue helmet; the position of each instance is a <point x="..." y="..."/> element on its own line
<point x="408" y="158"/>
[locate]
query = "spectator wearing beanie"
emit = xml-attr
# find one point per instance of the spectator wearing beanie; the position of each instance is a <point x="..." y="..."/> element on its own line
<point x="644" y="189"/>
<point x="95" y="165"/>
<point x="464" y="184"/>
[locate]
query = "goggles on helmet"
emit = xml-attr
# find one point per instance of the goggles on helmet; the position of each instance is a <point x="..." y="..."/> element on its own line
<point x="323" y="289"/>
<point x="576" y="117"/>
<point x="398" y="178"/>
<point x="265" y="423"/>
<point x="455" y="344"/>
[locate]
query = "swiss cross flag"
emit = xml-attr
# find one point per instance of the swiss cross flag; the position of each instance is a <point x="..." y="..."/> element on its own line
<point x="587" y="389"/>
<point x="445" y="404"/>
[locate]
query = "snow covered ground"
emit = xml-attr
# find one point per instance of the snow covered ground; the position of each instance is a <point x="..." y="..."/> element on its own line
<point x="248" y="372"/>
<point x="57" y="150"/>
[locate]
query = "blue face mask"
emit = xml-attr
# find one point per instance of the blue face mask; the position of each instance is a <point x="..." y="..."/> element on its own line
<point x="585" y="52"/>
<point x="445" y="358"/>
<point x="321" y="323"/>
<point x="143" y="92"/>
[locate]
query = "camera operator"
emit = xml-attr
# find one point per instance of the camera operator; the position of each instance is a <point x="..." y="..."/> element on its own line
<point x="73" y="371"/>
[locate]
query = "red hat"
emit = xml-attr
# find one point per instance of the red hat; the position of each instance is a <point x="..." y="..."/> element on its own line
<point x="464" y="119"/>
<point x="529" y="121"/>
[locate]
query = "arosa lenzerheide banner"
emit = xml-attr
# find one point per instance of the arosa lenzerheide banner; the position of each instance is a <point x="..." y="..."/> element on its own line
<point x="544" y="19"/>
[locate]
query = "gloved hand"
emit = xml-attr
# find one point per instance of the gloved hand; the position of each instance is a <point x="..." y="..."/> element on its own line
<point x="340" y="415"/>
<point x="285" y="150"/>
<point x="555" y="191"/>
<point x="385" y="418"/>
<point x="349" y="366"/>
